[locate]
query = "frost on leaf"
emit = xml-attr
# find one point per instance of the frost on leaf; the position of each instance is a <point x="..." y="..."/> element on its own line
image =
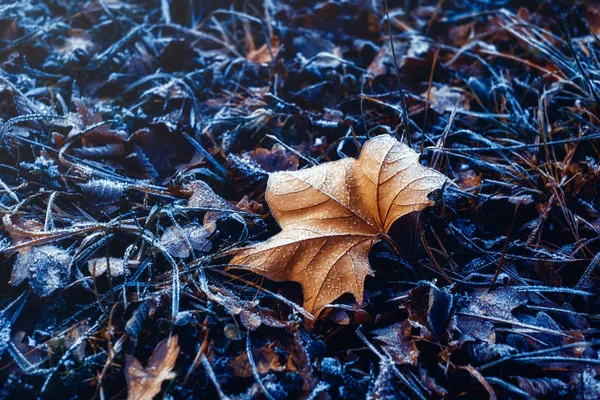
<point x="446" y="99"/>
<point x="397" y="341"/>
<point x="177" y="240"/>
<point x="102" y="192"/>
<point x="204" y="197"/>
<point x="99" y="266"/>
<point x="332" y="214"/>
<point x="46" y="267"/>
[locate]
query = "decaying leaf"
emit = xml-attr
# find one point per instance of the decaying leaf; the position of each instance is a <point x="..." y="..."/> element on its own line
<point x="429" y="309"/>
<point x="265" y="358"/>
<point x="499" y="304"/>
<point x="543" y="386"/>
<point x="47" y="268"/>
<point x="144" y="383"/>
<point x="397" y="342"/>
<point x="204" y="197"/>
<point x="102" y="192"/>
<point x="134" y="325"/>
<point x="412" y="53"/>
<point x="446" y="99"/>
<point x="275" y="159"/>
<point x="332" y="214"/>
<point x="20" y="230"/>
<point x="251" y="316"/>
<point x="99" y="266"/>
<point x="263" y="54"/>
<point x="176" y="240"/>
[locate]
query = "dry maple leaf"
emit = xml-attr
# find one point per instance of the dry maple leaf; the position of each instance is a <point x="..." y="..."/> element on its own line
<point x="144" y="383"/>
<point x="332" y="214"/>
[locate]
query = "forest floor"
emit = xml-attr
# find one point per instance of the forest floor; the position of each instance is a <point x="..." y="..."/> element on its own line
<point x="136" y="142"/>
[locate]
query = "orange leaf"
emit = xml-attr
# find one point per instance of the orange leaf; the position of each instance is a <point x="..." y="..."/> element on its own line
<point x="332" y="214"/>
<point x="144" y="383"/>
<point x="262" y="55"/>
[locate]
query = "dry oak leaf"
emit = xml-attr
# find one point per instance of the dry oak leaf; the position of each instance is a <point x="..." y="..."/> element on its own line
<point x="332" y="214"/>
<point x="144" y="383"/>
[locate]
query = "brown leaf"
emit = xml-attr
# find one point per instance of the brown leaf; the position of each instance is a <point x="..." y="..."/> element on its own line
<point x="250" y="206"/>
<point x="84" y="119"/>
<point x="332" y="214"/>
<point x="262" y="55"/>
<point x="275" y="160"/>
<point x="21" y="230"/>
<point x="144" y="383"/>
<point x="265" y="358"/>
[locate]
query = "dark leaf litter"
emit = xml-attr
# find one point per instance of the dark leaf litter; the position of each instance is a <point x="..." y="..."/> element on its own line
<point x="135" y="146"/>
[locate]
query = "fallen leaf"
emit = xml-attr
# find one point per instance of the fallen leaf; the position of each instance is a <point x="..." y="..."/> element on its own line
<point x="135" y="324"/>
<point x="78" y="39"/>
<point x="446" y="99"/>
<point x="265" y="358"/>
<point x="144" y="383"/>
<point x="171" y="90"/>
<point x="409" y="53"/>
<point x="251" y="316"/>
<point x="99" y="266"/>
<point x="397" y="341"/>
<point x="20" y="230"/>
<point x="83" y="119"/>
<point x="246" y="173"/>
<point x="497" y="304"/>
<point x="250" y="206"/>
<point x="542" y="387"/>
<point x="332" y="214"/>
<point x="275" y="160"/>
<point x="429" y="309"/>
<point x="202" y="196"/>
<point x="162" y="145"/>
<point x="102" y="192"/>
<point x="46" y="267"/>
<point x="262" y="55"/>
<point x="176" y="240"/>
